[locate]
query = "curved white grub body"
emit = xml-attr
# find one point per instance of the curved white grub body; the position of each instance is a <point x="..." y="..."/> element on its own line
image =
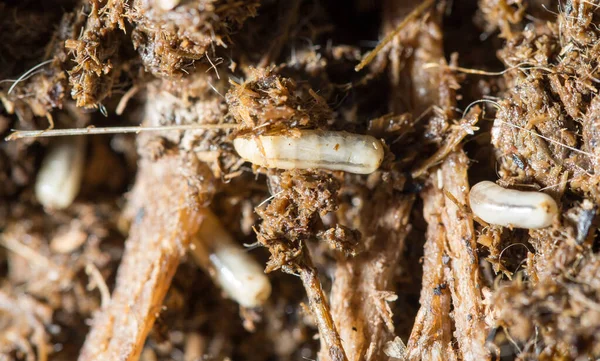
<point x="331" y="150"/>
<point x="231" y="267"/>
<point x="59" y="178"/>
<point x="508" y="207"/>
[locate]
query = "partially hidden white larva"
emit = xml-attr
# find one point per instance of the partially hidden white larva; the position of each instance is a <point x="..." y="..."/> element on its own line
<point x="231" y="267"/>
<point x="512" y="208"/>
<point x="59" y="178"/>
<point x="331" y="150"/>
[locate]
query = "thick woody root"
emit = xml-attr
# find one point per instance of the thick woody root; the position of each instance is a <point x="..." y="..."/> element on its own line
<point x="365" y="284"/>
<point x="431" y="337"/>
<point x="158" y="239"/>
<point x="463" y="275"/>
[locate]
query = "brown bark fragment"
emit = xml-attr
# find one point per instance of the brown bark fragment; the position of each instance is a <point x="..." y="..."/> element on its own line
<point x="463" y="277"/>
<point x="431" y="337"/>
<point x="364" y="284"/>
<point x="158" y="238"/>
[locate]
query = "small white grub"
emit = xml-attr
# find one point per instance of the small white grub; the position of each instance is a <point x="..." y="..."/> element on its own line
<point x="59" y="178"/>
<point x="230" y="266"/>
<point x="167" y="5"/>
<point x="331" y="150"/>
<point x="512" y="208"/>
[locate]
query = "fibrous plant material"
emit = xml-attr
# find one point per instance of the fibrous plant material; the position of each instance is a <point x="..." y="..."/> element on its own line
<point x="289" y="221"/>
<point x="457" y="134"/>
<point x="364" y="284"/>
<point x="95" y="51"/>
<point x="545" y="101"/>
<point x="268" y="102"/>
<point x="432" y="336"/>
<point x="158" y="239"/>
<point x="544" y="133"/>
<point x="464" y="276"/>
<point x="32" y="79"/>
<point x="171" y="35"/>
<point x="562" y="291"/>
<point x="418" y="43"/>
<point x="502" y="15"/>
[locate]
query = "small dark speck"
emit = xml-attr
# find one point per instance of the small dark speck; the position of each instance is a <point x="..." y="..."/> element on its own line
<point x="469" y="317"/>
<point x="354" y="329"/>
<point x="438" y="290"/>
<point x="337" y="146"/>
<point x="517" y="160"/>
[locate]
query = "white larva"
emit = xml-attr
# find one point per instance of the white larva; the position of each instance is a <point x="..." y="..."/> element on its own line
<point x="331" y="150"/>
<point x="512" y="208"/>
<point x="231" y="266"/>
<point x="59" y="178"/>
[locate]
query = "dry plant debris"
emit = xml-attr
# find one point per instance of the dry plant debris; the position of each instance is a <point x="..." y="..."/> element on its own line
<point x="391" y="262"/>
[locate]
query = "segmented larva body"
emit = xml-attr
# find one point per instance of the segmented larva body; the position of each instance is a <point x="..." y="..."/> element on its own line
<point x="230" y="266"/>
<point x="512" y="208"/>
<point x="331" y="150"/>
<point x="59" y="178"/>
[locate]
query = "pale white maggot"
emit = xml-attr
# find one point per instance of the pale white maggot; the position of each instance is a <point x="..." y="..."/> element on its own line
<point x="231" y="266"/>
<point x="305" y="149"/>
<point x="59" y="178"/>
<point x="512" y="208"/>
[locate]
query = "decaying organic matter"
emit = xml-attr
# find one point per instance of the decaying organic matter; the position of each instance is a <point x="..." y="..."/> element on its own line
<point x="337" y="142"/>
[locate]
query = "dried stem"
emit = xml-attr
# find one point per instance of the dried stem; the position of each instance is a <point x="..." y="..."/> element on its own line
<point x="431" y="335"/>
<point x="158" y="239"/>
<point x="463" y="276"/>
<point x="320" y="308"/>
<point x="364" y="284"/>
<point x="19" y="134"/>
